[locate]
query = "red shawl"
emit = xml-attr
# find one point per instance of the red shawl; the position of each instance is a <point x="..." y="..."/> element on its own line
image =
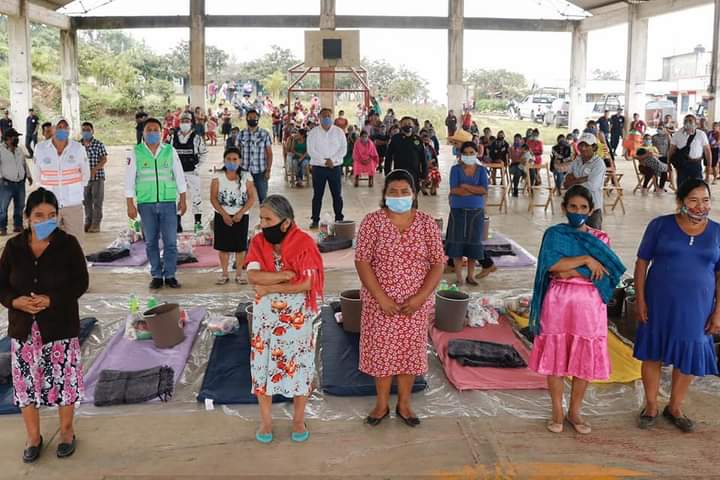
<point x="299" y="254"/>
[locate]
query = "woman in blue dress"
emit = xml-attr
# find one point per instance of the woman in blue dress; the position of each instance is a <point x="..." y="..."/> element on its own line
<point x="676" y="301"/>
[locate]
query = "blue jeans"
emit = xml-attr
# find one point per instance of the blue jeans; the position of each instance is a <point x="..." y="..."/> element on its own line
<point x="261" y="186"/>
<point x="14" y="191"/>
<point x="301" y="166"/>
<point x="559" y="179"/>
<point x="159" y="220"/>
<point x="333" y="177"/>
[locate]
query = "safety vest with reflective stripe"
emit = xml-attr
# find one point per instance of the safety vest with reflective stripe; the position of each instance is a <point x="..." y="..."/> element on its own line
<point x="62" y="173"/>
<point x="154" y="180"/>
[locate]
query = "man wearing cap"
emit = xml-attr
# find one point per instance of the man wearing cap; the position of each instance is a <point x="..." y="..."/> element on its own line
<point x="14" y="172"/>
<point x="326" y="146"/>
<point x="6" y="122"/>
<point x="192" y="151"/>
<point x="154" y="179"/>
<point x="31" y="128"/>
<point x="617" y="129"/>
<point x="407" y="152"/>
<point x="63" y="168"/>
<point x="94" y="195"/>
<point x="588" y="170"/>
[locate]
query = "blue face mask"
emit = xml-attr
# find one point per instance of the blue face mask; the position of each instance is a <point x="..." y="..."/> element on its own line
<point x="326" y="121"/>
<point x="44" y="229"/>
<point x="62" y="135"/>
<point x="469" y="159"/>
<point x="455" y="152"/>
<point x="231" y="167"/>
<point x="399" y="204"/>
<point x="152" y="138"/>
<point x="87" y="136"/>
<point x="577" y="220"/>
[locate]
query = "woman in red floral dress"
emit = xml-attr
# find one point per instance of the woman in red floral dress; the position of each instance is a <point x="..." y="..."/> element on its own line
<point x="400" y="261"/>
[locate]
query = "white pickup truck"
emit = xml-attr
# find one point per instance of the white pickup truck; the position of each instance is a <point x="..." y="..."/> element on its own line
<point x="534" y="107"/>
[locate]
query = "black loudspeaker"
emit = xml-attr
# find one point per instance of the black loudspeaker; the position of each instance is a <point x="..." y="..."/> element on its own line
<point x="332" y="49"/>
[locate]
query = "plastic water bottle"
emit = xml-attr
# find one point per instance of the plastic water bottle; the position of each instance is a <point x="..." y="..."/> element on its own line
<point x="443" y="286"/>
<point x="198" y="228"/>
<point x="134" y="304"/>
<point x="152" y="303"/>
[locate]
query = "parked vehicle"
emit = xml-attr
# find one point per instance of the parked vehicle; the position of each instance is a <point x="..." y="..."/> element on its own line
<point x="558" y="114"/>
<point x="534" y="107"/>
<point x="609" y="102"/>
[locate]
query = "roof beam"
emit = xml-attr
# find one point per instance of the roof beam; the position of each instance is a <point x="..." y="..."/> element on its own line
<point x="611" y="15"/>
<point x="313" y="21"/>
<point x="36" y="14"/>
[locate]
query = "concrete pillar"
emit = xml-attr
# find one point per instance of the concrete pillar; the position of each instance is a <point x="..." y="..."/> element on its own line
<point x="713" y="113"/>
<point x="578" y="78"/>
<point x="327" y="75"/>
<point x="197" y="54"/>
<point x="70" y="88"/>
<point x="636" y="64"/>
<point x="456" y="91"/>
<point x="20" y="67"/>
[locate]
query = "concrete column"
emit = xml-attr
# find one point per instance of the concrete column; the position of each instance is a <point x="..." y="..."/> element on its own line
<point x="713" y="113"/>
<point x="636" y="64"/>
<point x="197" y="54"/>
<point x="20" y="67"/>
<point x="327" y="75"/>
<point x="70" y="88"/>
<point x="456" y="91"/>
<point x="578" y="78"/>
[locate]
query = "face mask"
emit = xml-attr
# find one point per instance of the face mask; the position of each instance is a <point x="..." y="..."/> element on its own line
<point x="407" y="129"/>
<point x="689" y="126"/>
<point x="469" y="159"/>
<point x="274" y="234"/>
<point x="252" y="123"/>
<point x="231" y="167"/>
<point x="326" y="121"/>
<point x="576" y="219"/>
<point x="152" y="138"/>
<point x="399" y="204"/>
<point x="517" y="143"/>
<point x="185" y="127"/>
<point x="697" y="217"/>
<point x="647" y="142"/>
<point x="87" y="136"/>
<point x="44" y="229"/>
<point x="62" y="135"/>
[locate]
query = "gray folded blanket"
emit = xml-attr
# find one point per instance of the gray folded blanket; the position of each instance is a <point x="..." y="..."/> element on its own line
<point x="476" y="353"/>
<point x="117" y="387"/>
<point x="5" y="368"/>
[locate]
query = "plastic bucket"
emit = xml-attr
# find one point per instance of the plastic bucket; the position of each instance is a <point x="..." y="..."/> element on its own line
<point x="629" y="324"/>
<point x="351" y="307"/>
<point x="164" y="323"/>
<point x="451" y="310"/>
<point x="345" y="230"/>
<point x="486" y="228"/>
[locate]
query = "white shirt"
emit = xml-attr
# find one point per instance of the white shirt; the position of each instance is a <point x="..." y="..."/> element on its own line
<point x="322" y="144"/>
<point x="697" y="149"/>
<point x="66" y="174"/>
<point x="595" y="171"/>
<point x="131" y="172"/>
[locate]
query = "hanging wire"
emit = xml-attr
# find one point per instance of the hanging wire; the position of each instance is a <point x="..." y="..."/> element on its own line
<point x="86" y="10"/>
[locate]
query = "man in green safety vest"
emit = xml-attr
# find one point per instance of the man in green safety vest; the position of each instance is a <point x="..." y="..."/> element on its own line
<point x="154" y="179"/>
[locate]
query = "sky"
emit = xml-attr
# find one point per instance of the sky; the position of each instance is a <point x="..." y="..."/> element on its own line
<point x="544" y="58"/>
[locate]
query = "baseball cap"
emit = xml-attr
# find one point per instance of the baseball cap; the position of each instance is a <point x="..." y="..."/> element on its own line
<point x="185" y="116"/>
<point x="11" y="132"/>
<point x="588" y="138"/>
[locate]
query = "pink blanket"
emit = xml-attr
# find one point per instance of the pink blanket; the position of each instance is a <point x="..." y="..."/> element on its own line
<point x="481" y="378"/>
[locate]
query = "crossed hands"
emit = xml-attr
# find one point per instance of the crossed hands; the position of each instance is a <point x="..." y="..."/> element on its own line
<point x="33" y="304"/>
<point x="411" y="305"/>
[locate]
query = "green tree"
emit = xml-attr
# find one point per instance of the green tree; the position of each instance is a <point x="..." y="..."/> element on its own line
<point x="380" y="75"/>
<point x="408" y="86"/>
<point x="275" y="84"/>
<point x="276" y="60"/>
<point x="496" y="83"/>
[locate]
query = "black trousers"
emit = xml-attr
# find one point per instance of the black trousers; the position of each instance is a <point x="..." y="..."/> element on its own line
<point x="332" y="177"/>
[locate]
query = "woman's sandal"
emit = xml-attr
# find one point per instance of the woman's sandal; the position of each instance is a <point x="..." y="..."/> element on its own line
<point x="471" y="281"/>
<point x="264" y="437"/>
<point x="241" y="281"/>
<point x="222" y="281"/>
<point x="646" y="421"/>
<point x="554" y="427"/>
<point x="374" y="421"/>
<point x="683" y="422"/>
<point x="581" y="428"/>
<point x="409" y="421"/>
<point x="300" y="437"/>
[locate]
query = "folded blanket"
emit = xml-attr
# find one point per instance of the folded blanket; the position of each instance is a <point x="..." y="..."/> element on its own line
<point x="478" y="353"/>
<point x="499" y="250"/>
<point x="108" y="255"/>
<point x="184" y="258"/>
<point x="331" y="244"/>
<point x="116" y="387"/>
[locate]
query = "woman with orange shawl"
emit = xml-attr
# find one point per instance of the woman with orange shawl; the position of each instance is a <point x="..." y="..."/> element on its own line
<point x="285" y="267"/>
<point x="365" y="159"/>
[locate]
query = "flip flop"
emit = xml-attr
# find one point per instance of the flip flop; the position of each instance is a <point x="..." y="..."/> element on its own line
<point x="554" y="427"/>
<point x="581" y="428"/>
<point x="264" y="437"/>
<point x="222" y="281"/>
<point x="471" y="281"/>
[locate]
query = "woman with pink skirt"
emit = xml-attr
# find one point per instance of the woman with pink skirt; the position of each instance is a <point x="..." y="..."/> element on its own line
<point x="365" y="159"/>
<point x="575" y="278"/>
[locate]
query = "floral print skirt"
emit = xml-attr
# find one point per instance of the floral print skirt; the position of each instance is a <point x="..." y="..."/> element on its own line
<point x="46" y="374"/>
<point x="282" y="355"/>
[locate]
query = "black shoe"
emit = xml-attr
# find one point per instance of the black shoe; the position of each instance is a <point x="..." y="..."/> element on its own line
<point x="683" y="423"/>
<point x="31" y="454"/>
<point x="172" y="283"/>
<point x="314" y="226"/>
<point x="374" y="421"/>
<point x="156" y="283"/>
<point x="645" y="421"/>
<point x="409" y="421"/>
<point x="65" y="450"/>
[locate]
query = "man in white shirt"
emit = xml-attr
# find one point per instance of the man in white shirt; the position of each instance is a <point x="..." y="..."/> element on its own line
<point x="62" y="167"/>
<point x="688" y="146"/>
<point x="326" y="146"/>
<point x="588" y="170"/>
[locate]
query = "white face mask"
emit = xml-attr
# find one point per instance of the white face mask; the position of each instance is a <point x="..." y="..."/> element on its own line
<point x="185" y="127"/>
<point x="469" y="159"/>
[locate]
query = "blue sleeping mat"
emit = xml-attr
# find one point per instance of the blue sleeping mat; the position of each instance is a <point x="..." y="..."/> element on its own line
<point x="340" y="357"/>
<point x="227" y="377"/>
<point x="7" y="406"/>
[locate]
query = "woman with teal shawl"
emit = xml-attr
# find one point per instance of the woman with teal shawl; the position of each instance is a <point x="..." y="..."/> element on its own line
<point x="575" y="278"/>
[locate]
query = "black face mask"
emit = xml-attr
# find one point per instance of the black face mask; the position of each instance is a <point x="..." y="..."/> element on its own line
<point x="274" y="234"/>
<point x="407" y="129"/>
<point x="252" y="123"/>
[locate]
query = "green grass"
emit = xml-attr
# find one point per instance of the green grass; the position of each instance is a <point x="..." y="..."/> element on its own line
<point x="115" y="130"/>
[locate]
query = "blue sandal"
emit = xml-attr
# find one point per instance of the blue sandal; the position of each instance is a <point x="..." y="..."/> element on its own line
<point x="264" y="437"/>
<point x="300" y="437"/>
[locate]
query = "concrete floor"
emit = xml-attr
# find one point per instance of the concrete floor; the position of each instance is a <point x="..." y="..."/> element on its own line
<point x="212" y="444"/>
